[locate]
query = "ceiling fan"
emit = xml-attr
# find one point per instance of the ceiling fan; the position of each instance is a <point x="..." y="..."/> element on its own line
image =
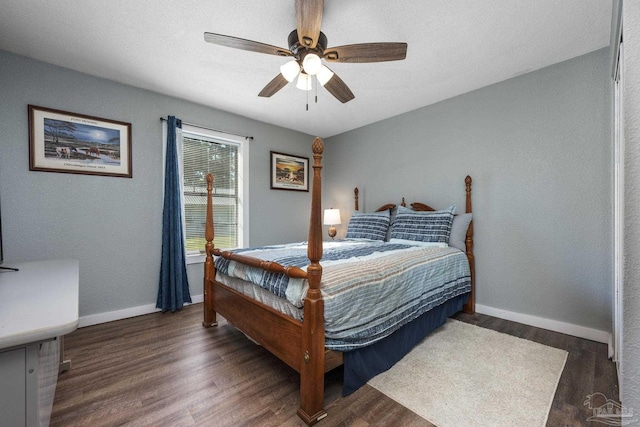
<point x="308" y="46"/>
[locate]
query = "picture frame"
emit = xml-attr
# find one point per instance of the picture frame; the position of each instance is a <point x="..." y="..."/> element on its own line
<point x="61" y="141"/>
<point x="289" y="172"/>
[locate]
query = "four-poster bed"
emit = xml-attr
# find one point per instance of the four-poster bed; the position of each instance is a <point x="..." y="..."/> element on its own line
<point x="299" y="340"/>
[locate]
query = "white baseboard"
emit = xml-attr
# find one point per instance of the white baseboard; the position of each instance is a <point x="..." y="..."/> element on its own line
<point x="110" y="316"/>
<point x="539" y="322"/>
<point x="552" y="325"/>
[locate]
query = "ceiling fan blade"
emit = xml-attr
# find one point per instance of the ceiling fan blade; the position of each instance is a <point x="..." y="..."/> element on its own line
<point x="238" y="43"/>
<point x="273" y="86"/>
<point x="339" y="89"/>
<point x="367" y="52"/>
<point x="309" y="19"/>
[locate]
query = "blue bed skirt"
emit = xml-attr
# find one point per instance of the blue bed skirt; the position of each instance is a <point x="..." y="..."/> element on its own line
<point x="362" y="364"/>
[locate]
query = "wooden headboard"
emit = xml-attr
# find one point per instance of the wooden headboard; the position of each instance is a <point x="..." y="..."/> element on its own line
<point x="417" y="206"/>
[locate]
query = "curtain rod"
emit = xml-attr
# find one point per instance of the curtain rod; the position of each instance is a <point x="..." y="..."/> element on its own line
<point x="164" y="119"/>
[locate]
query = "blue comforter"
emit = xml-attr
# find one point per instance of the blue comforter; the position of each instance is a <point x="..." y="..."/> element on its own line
<point x="370" y="288"/>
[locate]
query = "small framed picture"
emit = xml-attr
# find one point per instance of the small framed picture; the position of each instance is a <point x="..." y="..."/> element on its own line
<point x="65" y="142"/>
<point x="289" y="172"/>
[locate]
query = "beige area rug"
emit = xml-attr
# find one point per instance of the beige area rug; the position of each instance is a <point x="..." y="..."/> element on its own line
<point x="464" y="375"/>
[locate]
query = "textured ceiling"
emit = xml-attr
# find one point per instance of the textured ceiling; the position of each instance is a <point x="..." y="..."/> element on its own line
<point x="453" y="47"/>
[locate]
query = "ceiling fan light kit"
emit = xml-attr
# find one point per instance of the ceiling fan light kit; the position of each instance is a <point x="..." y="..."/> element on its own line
<point x="308" y="46"/>
<point x="324" y="75"/>
<point x="311" y="64"/>
<point x="304" y="82"/>
<point x="290" y="70"/>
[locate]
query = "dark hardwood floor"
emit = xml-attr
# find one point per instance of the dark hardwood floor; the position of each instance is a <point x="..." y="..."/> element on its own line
<point x="167" y="370"/>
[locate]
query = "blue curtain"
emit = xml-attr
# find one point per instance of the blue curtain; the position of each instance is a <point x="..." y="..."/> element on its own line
<point x="173" y="290"/>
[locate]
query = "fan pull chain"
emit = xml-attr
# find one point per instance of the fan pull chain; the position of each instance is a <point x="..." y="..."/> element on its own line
<point x="317" y="84"/>
<point x="309" y="82"/>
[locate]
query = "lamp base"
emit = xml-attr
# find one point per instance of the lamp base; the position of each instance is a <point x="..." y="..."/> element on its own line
<point x="332" y="232"/>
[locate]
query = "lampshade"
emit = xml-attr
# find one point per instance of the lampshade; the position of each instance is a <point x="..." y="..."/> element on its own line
<point x="311" y="64"/>
<point x="324" y="75"/>
<point x="304" y="82"/>
<point x="290" y="70"/>
<point x="332" y="217"/>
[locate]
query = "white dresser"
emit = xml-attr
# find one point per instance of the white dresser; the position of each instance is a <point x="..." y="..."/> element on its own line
<point x="38" y="305"/>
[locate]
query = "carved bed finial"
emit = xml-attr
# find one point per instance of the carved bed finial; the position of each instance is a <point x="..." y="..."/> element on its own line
<point x="317" y="146"/>
<point x="403" y="204"/>
<point x="355" y="194"/>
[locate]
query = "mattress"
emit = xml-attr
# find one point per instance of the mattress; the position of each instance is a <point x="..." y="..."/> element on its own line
<point x="370" y="288"/>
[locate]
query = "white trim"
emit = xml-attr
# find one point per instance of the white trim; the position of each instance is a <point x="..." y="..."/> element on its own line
<point x="243" y="209"/>
<point x="539" y="322"/>
<point x="618" y="214"/>
<point x="550" y="324"/>
<point x="110" y="316"/>
<point x="196" y="259"/>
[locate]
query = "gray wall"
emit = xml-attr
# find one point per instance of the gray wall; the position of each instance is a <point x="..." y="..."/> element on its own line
<point x="537" y="146"/>
<point x="630" y="390"/>
<point x="539" y="150"/>
<point x="113" y="225"/>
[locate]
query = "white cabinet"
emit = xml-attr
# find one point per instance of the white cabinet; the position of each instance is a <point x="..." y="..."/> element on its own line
<point x="38" y="304"/>
<point x="13" y="387"/>
<point x="19" y="389"/>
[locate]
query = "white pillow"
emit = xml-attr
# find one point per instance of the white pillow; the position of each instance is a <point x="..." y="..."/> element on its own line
<point x="459" y="229"/>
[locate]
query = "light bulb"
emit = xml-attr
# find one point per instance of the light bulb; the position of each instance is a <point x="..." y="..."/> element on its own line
<point x="311" y="64"/>
<point x="304" y="82"/>
<point x="290" y="70"/>
<point x="324" y="75"/>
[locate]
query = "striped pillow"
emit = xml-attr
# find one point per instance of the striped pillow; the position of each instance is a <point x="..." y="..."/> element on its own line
<point x="423" y="226"/>
<point x="372" y="226"/>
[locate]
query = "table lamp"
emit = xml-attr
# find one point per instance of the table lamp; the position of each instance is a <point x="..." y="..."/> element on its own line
<point x="331" y="218"/>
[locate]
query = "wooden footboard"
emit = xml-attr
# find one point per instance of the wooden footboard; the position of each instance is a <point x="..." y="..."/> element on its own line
<point x="298" y="344"/>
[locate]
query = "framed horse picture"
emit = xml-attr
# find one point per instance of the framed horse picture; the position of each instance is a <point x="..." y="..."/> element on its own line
<point x="289" y="172"/>
<point x="60" y="141"/>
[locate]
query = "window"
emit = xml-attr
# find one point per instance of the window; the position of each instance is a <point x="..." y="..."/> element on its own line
<point x="223" y="156"/>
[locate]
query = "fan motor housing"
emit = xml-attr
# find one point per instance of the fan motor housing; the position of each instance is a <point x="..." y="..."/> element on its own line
<point x="297" y="49"/>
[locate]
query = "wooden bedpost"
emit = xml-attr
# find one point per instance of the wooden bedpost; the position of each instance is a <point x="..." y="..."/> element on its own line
<point x="313" y="352"/>
<point x="209" y="267"/>
<point x="355" y="195"/>
<point x="470" y="306"/>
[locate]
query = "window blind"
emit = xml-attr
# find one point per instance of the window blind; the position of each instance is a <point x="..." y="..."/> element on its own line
<point x="203" y="155"/>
